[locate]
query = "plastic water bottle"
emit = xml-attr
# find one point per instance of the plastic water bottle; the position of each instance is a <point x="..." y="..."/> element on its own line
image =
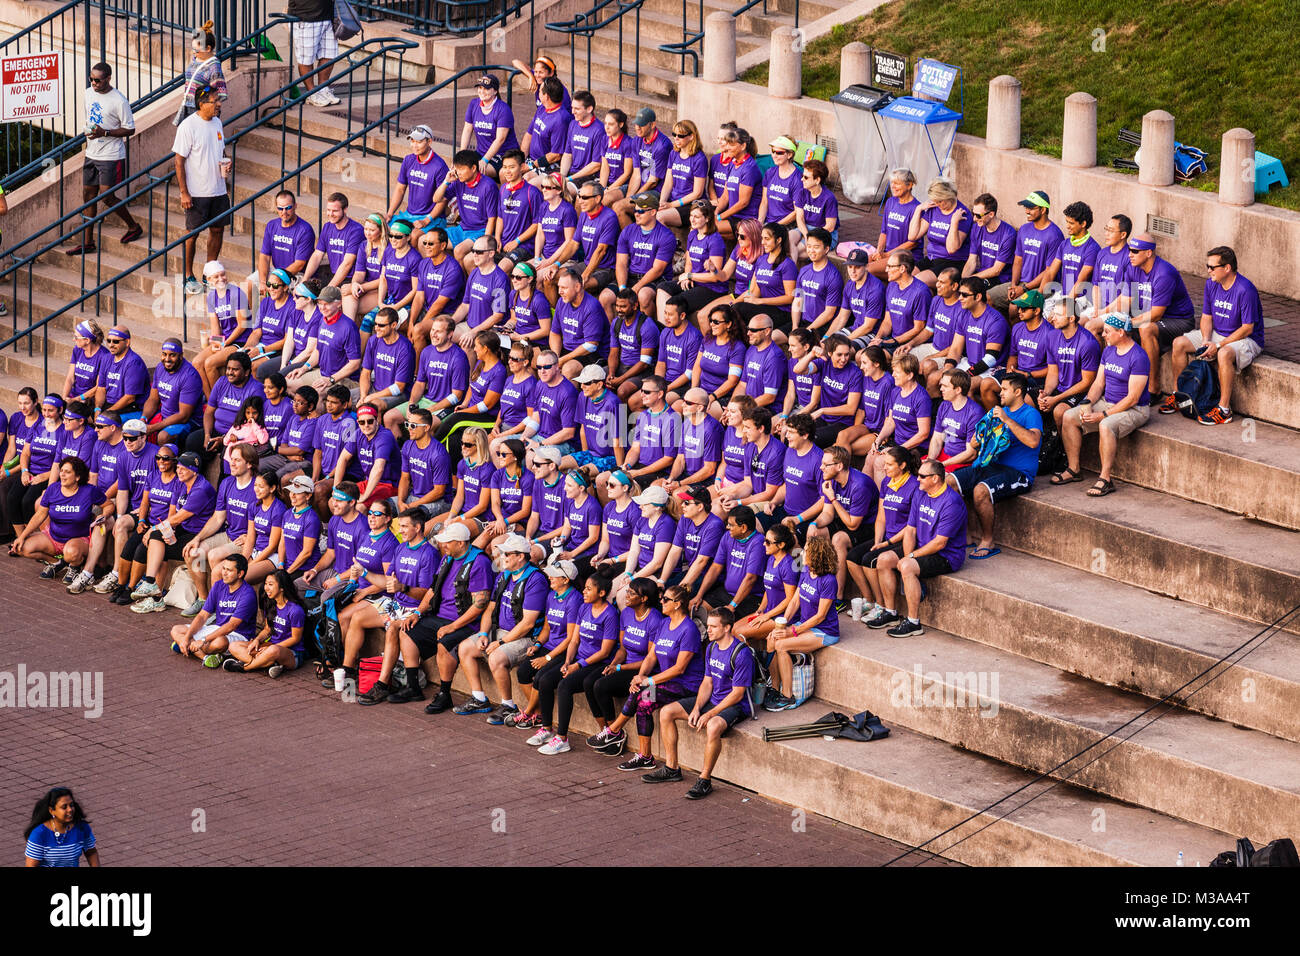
<point x="1180" y="858"/>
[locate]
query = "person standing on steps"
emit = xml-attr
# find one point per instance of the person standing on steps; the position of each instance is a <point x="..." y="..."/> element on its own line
<point x="204" y="69"/>
<point x="201" y="179"/>
<point x="314" y="45"/>
<point x="109" y="123"/>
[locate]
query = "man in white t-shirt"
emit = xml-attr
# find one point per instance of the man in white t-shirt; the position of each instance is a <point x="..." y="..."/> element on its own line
<point x="199" y="148"/>
<point x="109" y="123"/>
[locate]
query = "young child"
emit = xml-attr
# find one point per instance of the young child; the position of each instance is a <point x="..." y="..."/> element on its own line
<point x="249" y="428"/>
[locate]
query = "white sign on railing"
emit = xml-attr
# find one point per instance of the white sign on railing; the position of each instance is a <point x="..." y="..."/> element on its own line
<point x="31" y="86"/>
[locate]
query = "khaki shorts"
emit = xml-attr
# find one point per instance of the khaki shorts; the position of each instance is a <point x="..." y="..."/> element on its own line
<point x="923" y="351"/>
<point x="1119" y="425"/>
<point x="1246" y="350"/>
<point x="201" y="560"/>
<point x="515" y="650"/>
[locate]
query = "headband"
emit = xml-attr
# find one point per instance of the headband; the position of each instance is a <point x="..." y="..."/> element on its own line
<point x="282" y="276"/>
<point x="580" y="478"/>
<point x="377" y="219"/>
<point x="304" y="291"/>
<point x="527" y="270"/>
<point x="368" y="408"/>
<point x="1121" y="322"/>
<point x="120" y="332"/>
<point x="75" y="416"/>
<point x="85" y="330"/>
<point x="52" y="400"/>
<point x="1140" y="245"/>
<point x="621" y="477"/>
<point x="172" y="346"/>
<point x="341" y="496"/>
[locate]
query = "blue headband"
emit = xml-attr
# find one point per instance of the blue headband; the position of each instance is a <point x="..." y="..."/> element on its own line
<point x="1140" y="245"/>
<point x="1117" y="321"/>
<point x="52" y="400"/>
<point x="621" y="477"/>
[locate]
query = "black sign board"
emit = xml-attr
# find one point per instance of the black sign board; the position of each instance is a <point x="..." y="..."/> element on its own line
<point x="888" y="70"/>
<point x="863" y="97"/>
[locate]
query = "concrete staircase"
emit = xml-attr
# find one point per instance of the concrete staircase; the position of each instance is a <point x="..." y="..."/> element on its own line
<point x="661" y="22"/>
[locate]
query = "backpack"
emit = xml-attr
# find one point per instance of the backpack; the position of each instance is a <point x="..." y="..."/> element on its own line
<point x="346" y="22"/>
<point x="329" y="636"/>
<point x="1197" y="391"/>
<point x="1051" y="456"/>
<point x="757" y="689"/>
<point x="1278" y="853"/>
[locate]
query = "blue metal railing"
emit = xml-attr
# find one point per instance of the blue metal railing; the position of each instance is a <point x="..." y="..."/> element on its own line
<point x="355" y="139"/>
<point x="587" y="24"/>
<point x="426" y="18"/>
<point x="691" y="40"/>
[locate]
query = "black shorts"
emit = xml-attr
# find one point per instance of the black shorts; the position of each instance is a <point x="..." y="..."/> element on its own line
<point x="632" y="279"/>
<point x="175" y="549"/>
<point x="864" y="535"/>
<point x="1001" y="481"/>
<point x="104" y="173"/>
<point x="933" y="565"/>
<point x="1169" y="329"/>
<point x="423" y="634"/>
<point x="732" y="715"/>
<point x="719" y="596"/>
<point x="527" y="675"/>
<point x="697" y="297"/>
<point x="938" y="265"/>
<point x="827" y="432"/>
<point x="866" y="556"/>
<point x="204" y="208"/>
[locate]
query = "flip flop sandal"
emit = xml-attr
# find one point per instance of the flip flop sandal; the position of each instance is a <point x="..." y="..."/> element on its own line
<point x="1101" y="489"/>
<point x="1066" y="476"/>
<point x="988" y="553"/>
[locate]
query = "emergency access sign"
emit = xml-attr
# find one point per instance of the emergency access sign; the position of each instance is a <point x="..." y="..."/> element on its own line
<point x="31" y="86"/>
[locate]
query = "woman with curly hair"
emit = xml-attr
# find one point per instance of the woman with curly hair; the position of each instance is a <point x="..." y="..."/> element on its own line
<point x="818" y="623"/>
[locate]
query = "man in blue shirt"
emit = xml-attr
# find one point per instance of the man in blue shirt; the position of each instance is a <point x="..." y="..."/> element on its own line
<point x="1015" y="430"/>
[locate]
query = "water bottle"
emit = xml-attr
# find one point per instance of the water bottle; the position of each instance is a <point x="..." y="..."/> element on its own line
<point x="1180" y="858"/>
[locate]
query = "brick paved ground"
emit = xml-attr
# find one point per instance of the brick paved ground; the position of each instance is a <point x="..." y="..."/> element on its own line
<point x="269" y="762"/>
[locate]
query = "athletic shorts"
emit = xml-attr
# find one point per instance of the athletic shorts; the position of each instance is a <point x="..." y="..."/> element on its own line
<point x="423" y="631"/>
<point x="867" y="556"/>
<point x="1121" y="424"/>
<point x="732" y="715"/>
<point x="1169" y="329"/>
<point x="933" y="565"/>
<point x="603" y="463"/>
<point x="314" y="41"/>
<point x="204" y="208"/>
<point x="1246" y="350"/>
<point x="458" y="234"/>
<point x="864" y="535"/>
<point x="104" y="173"/>
<point x="1001" y="481"/>
<point x="515" y="650"/>
<point x="600" y="278"/>
<point x="938" y="265"/>
<point x="719" y="596"/>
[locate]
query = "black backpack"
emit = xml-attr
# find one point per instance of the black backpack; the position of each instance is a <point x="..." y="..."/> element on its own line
<point x="1198" y="388"/>
<point x="1278" y="853"/>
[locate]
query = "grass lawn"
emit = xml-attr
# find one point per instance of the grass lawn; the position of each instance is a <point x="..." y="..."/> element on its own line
<point x="1213" y="65"/>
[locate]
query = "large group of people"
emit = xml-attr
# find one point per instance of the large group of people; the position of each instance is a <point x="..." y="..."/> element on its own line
<point x="590" y="411"/>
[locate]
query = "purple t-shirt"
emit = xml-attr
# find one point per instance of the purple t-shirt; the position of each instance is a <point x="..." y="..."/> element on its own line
<point x="652" y="155"/>
<point x="71" y="515"/>
<point x="838" y="385"/>
<point x="1110" y="273"/>
<point x="283" y="622"/>
<point x="226" y="399"/>
<point x="77" y="446"/>
<point x="486" y="123"/>
<point x="421" y="180"/>
<point x="108" y="462"/>
<point x="743" y="272"/>
<point x="226" y="308"/>
<point x="895" y="220"/>
<point x="553" y="224"/>
<point x="644" y="249"/>
<point x="1030" y="346"/>
<point x="443" y="371"/>
<point x="555" y="405"/>
<point x="534" y="597"/>
<point x="549" y="503"/>
<point x="802" y="475"/>
<point x="945" y="320"/>
<point x="740" y="558"/>
<point x="650" y="537"/>
<point x="302" y="329"/>
<point x="513" y="491"/>
<point x="729" y="669"/>
<point x="427" y="467"/>
<point x="264" y="519"/>
<point x="719" y="362"/>
<point x="582" y="325"/>
<point x="475" y="480"/>
<point x="370" y="260"/>
<point x="45" y="443"/>
<point x="858" y="496"/>
<point x="658" y="435"/>
<point x="957" y="425"/>
<point x="804" y="382"/>
<point x="699" y="250"/>
<point x="223" y="605"/>
<point x="943" y="515"/>
<point x="907" y="411"/>
<point x="990" y="328"/>
<point x="399" y="273"/>
<point x="812" y="591"/>
<point x="181" y="387"/>
<point x="599" y="420"/>
<point x="237" y="503"/>
<point x="529" y="312"/>
<point x="617" y="153"/>
<point x="744" y="173"/>
<point x="599" y="230"/>
<point x="639" y="635"/>
<point x="586" y="144"/>
<point x="594" y="630"/>
<point x="383" y="446"/>
<point x="299" y="433"/>
<point x="389" y="364"/>
<point x="414" y="567"/>
<point x="779" y="572"/>
<point x="561" y="611"/>
<point x="332" y="436"/>
<point x="620" y="526"/>
<point x="906" y="307"/>
<point x="1072" y="357"/>
<point x="991" y="247"/>
<point x="771" y="279"/>
<point x="583" y="519"/>
<point x="733" y="455"/>
<point x="339" y="242"/>
<point x="1037" y="248"/>
<point x="685" y="171"/>
<point x="445" y="278"/>
<point x="763" y="465"/>
<point x="338" y="342"/>
<point x="275" y="320"/>
<point x="719" y="168"/>
<point x="636" y="341"/>
<point x="199" y="499"/>
<point x="818" y="210"/>
<point x="161" y="494"/>
<point x="516" y="397"/>
<point x="677" y="350"/>
<point x="1161" y="286"/>
<point x="1232" y="308"/>
<point x="88" y="370"/>
<point x="781" y="192"/>
<point x="671" y="642"/>
<point x="897" y="503"/>
<point x="1074" y="259"/>
<point x="126" y="376"/>
<point x="701" y="443"/>
<point x="1118" y="369"/>
<point x="487" y="380"/>
<point x="550" y="131"/>
<point x="288" y="244"/>
<point x="819" y="289"/>
<point x="765" y="371"/>
<point x="296" y="529"/>
<point x="698" y="539"/>
<point x="486" y="295"/>
<point x="479" y="200"/>
<point x="521" y="206"/>
<point x="480" y="579"/>
<point x="936" y="236"/>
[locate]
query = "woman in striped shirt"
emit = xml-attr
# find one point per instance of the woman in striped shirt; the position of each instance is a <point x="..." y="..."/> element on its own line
<point x="59" y="833"/>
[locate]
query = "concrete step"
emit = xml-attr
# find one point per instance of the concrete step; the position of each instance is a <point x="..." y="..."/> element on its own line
<point x="1268" y="390"/>
<point x="1033" y="715"/>
<point x="1163" y="544"/>
<point x="1120" y="635"/>
<point x="653" y="80"/>
<point x="1247" y="467"/>
<point x="911" y="787"/>
<point x="605" y="47"/>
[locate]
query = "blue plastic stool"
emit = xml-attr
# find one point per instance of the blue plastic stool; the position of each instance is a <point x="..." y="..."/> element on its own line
<point x="1268" y="170"/>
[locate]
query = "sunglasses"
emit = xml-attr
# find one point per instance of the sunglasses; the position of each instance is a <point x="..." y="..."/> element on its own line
<point x="98" y="79"/>
<point x="135" y="437"/>
<point x="481" y="252"/>
<point x="759" y="328"/>
<point x="377" y="514"/>
<point x="103" y="424"/>
<point x="414" y="424"/>
<point x="275" y="285"/>
<point x="163" y="458"/>
<point x="717" y="321"/>
<point x="589" y="196"/>
<point x="365" y="421"/>
<point x="543" y="368"/>
<point x="113" y="341"/>
<point x="517" y="277"/>
<point x="467" y="444"/>
<point x="284" y="208"/>
<point x="649" y="391"/>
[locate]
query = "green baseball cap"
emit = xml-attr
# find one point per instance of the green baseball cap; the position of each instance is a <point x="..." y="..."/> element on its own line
<point x="1032" y="299"/>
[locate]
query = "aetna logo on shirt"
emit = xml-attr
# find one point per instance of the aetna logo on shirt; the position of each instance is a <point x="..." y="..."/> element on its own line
<point x="1224" y="305"/>
<point x="1113" y="368"/>
<point x="1031" y="242"/>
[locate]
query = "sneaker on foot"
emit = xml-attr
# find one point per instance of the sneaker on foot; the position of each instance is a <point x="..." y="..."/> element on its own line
<point x="107" y="584"/>
<point x="1169" y="405"/>
<point x="702" y="788"/>
<point x="327" y="94"/>
<point x="664" y="774"/>
<point x="193" y="286"/>
<point x="596" y="741"/>
<point x="176" y="648"/>
<point x="131" y="235"/>
<point x="637" y="762"/>
<point x="883" y="619"/>
<point x="439" y="703"/>
<point x="82" y="581"/>
<point x="614" y="745"/>
<point x="149" y="606"/>
<point x="1216" y="416"/>
<point x="212" y="660"/>
<point x="905" y="628"/>
<point x="70" y="575"/>
<point x="233" y="664"/>
<point x="526" y="722"/>
<point x="472" y="705"/>
<point x="377" y="694"/>
<point x="122" y="596"/>
<point x="774" y="702"/>
<point x="193" y="609"/>
<point x="275" y="670"/>
<point x="499" y="716"/>
<point x="53" y="569"/>
<point x="405" y="694"/>
<point x="556" y="745"/>
<point x="542" y="736"/>
<point x="145" y="589"/>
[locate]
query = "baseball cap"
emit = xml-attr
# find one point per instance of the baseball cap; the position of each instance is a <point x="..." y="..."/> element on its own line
<point x="302" y="485"/>
<point x="564" y="568"/>
<point x="548" y="453"/>
<point x="453" y="532"/>
<point x="330" y="294"/>
<point x="515" y="544"/>
<point x="190" y="460"/>
<point x="702" y="496"/>
<point x="654" y="495"/>
<point x="858" y="257"/>
<point x="420" y="132"/>
<point x="1035" y="198"/>
<point x="646" y="200"/>
<point x="644" y="117"/>
<point x="592" y="373"/>
<point x="135" y="427"/>
<point x="490" y="81"/>
<point x="1032" y="299"/>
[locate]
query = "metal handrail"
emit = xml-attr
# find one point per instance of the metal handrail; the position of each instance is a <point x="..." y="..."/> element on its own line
<point x="72" y="144"/>
<point x="687" y="45"/>
<point x="584" y="25"/>
<point x="426" y="18"/>
<point x="348" y="143"/>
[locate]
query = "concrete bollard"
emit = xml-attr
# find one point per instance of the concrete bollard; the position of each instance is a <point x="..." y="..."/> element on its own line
<point x="720" y="48"/>
<point x="1237" y="168"/>
<point x="1079" y="134"/>
<point x="1004" y="113"/>
<point x="1156" y="163"/>
<point x="785" y="66"/>
<point x="855" y="65"/>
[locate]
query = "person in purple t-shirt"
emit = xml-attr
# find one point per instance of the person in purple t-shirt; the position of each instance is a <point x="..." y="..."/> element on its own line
<point x="1076" y="257"/>
<point x="1037" y="244"/>
<point x="1231" y="333"/>
<point x="734" y="580"/>
<point x="580" y="329"/>
<point x="909" y="417"/>
<point x="954" y="423"/>
<point x="421" y="172"/>
<point x="643" y="255"/>
<point x="229" y="614"/>
<point x="584" y="146"/>
<point x="820" y="287"/>
<point x="68" y="503"/>
<point x="287" y="244"/>
<point x="849" y="503"/>
<point x="743" y="192"/>
<point x="478" y="199"/>
<point x="895" y="220"/>
<point x="907" y="303"/>
<point x="781" y="189"/>
<point x="487" y="294"/>
<point x="338" y="247"/>
<point x="815" y="205"/>
<point x="1027" y="351"/>
<point x="817" y="624"/>
<point x="1072" y="363"/>
<point x="992" y="242"/>
<point x="934" y="543"/>
<point x="490" y="124"/>
<point x="944" y="223"/>
<point x="545" y="139"/>
<point x="555" y="240"/>
<point x="223" y="405"/>
<point x="1117" y="404"/>
<point x="1157" y="300"/>
<point x="521" y="205"/>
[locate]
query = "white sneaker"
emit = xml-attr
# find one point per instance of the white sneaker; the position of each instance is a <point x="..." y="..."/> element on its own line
<point x="328" y="96"/>
<point x="148" y="606"/>
<point x="82" y="581"/>
<point x="542" y="736"/>
<point x="146" y="589"/>
<point x="275" y="670"/>
<point x="556" y="745"/>
<point x="315" y="99"/>
<point x="107" y="584"/>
